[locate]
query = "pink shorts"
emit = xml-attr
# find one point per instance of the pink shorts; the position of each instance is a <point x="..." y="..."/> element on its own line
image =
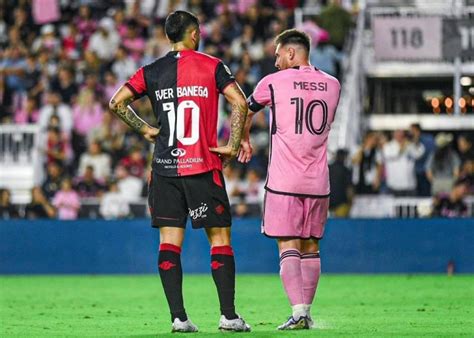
<point x="291" y="216"/>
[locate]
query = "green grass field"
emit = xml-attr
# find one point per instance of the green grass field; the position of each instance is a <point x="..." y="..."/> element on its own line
<point x="346" y="305"/>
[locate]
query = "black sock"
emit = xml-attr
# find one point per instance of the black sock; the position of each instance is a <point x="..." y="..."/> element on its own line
<point x="223" y="273"/>
<point x="171" y="273"/>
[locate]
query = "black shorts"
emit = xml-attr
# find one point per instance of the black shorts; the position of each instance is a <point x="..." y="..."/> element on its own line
<point x="203" y="197"/>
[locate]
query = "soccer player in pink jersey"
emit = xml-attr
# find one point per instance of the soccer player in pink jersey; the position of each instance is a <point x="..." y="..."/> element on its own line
<point x="302" y="101"/>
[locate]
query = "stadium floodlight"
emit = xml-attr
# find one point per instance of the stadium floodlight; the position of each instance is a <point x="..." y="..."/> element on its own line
<point x="465" y="81"/>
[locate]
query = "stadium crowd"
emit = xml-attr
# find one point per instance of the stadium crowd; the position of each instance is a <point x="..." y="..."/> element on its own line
<point x="408" y="163"/>
<point x="61" y="61"/>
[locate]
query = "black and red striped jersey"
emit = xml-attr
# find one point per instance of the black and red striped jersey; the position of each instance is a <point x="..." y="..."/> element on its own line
<point x="184" y="88"/>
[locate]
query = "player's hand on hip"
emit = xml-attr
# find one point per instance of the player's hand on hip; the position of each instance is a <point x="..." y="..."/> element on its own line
<point x="245" y="151"/>
<point x="226" y="153"/>
<point x="150" y="133"/>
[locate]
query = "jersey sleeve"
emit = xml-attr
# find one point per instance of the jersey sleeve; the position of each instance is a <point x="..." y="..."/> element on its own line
<point x="224" y="76"/>
<point x="260" y="97"/>
<point x="136" y="83"/>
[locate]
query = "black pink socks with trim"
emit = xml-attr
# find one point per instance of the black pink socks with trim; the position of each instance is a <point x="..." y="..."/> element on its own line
<point x="171" y="273"/>
<point x="223" y="273"/>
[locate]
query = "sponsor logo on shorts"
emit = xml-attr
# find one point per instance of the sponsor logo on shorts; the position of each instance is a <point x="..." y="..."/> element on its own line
<point x="178" y="152"/>
<point x="199" y="212"/>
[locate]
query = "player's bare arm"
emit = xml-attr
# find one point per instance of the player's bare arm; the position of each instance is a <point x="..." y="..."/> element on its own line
<point x="246" y="149"/>
<point x="236" y="98"/>
<point x="120" y="106"/>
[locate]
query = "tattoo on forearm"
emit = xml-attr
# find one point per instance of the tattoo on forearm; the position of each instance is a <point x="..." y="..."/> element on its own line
<point x="126" y="114"/>
<point x="237" y="122"/>
<point x="237" y="119"/>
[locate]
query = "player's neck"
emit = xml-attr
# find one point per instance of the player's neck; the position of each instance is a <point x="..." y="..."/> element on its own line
<point x="181" y="46"/>
<point x="302" y="63"/>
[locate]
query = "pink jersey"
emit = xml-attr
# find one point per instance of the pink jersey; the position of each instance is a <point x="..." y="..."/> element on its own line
<point x="303" y="102"/>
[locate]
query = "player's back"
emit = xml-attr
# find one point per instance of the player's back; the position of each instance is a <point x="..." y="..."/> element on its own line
<point x="183" y="88"/>
<point x="303" y="105"/>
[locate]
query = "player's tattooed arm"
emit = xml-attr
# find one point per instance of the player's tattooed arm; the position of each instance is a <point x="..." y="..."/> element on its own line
<point x="238" y="115"/>
<point x="119" y="105"/>
<point x="236" y="98"/>
<point x="126" y="113"/>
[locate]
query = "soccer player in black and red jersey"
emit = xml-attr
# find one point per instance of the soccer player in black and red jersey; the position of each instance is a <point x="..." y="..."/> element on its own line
<point x="184" y="87"/>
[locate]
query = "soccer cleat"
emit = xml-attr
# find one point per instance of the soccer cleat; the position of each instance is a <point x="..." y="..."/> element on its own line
<point x="236" y="325"/>
<point x="301" y="323"/>
<point x="310" y="322"/>
<point x="186" y="326"/>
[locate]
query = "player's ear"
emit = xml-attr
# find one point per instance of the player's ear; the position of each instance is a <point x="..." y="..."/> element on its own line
<point x="291" y="53"/>
<point x="195" y="36"/>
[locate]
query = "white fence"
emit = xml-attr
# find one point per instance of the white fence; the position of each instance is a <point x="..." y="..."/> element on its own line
<point x="20" y="161"/>
<point x="387" y="206"/>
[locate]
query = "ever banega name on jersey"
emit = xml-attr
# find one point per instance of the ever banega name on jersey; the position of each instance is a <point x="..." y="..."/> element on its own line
<point x="188" y="91"/>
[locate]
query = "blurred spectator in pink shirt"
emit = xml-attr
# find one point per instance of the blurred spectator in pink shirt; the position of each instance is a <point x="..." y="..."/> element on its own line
<point x="87" y="112"/>
<point x="316" y="33"/>
<point x="28" y="113"/>
<point x="45" y="11"/>
<point x="67" y="201"/>
<point x="134" y="43"/>
<point x="120" y="23"/>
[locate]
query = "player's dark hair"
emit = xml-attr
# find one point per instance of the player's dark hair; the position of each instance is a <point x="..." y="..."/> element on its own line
<point x="294" y="36"/>
<point x="177" y="23"/>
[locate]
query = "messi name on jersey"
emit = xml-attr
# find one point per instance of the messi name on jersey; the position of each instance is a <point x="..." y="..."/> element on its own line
<point x="189" y="91"/>
<point x="321" y="86"/>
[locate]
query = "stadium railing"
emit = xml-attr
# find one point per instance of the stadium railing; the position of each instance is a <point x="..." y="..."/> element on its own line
<point x="346" y="131"/>
<point x="388" y="206"/>
<point x="20" y="161"/>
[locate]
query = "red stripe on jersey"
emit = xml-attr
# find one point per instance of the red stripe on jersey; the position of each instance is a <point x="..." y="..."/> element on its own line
<point x="198" y="100"/>
<point x="137" y="82"/>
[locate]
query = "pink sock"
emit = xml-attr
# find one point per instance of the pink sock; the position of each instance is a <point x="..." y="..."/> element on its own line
<point x="291" y="277"/>
<point x="310" y="271"/>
